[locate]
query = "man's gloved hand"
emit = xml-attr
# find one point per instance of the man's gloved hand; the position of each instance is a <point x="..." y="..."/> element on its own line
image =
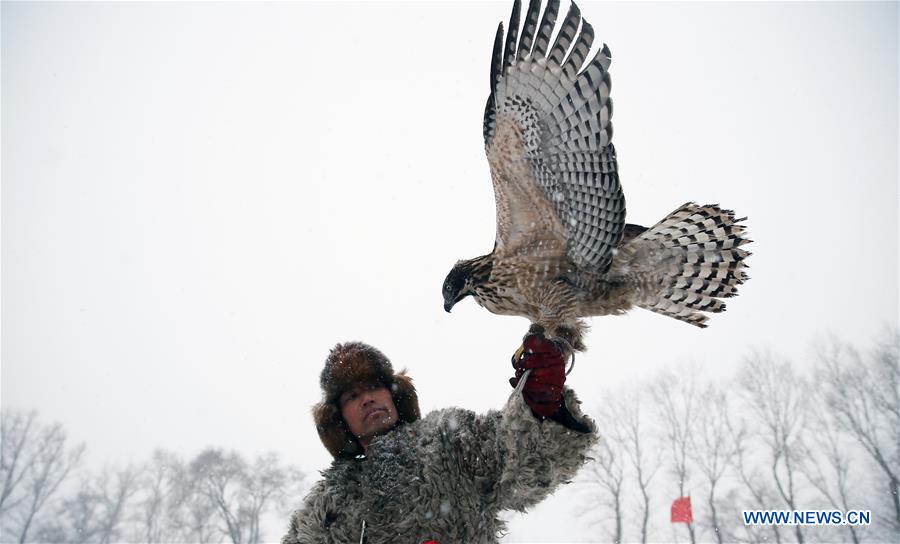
<point x="547" y="362"/>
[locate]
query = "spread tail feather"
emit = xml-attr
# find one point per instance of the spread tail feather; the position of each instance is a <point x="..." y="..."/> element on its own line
<point x="706" y="263"/>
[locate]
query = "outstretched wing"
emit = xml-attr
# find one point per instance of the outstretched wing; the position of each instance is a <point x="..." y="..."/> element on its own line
<point x="547" y="135"/>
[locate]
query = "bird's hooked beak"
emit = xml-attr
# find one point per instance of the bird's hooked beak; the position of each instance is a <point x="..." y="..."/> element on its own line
<point x="449" y="305"/>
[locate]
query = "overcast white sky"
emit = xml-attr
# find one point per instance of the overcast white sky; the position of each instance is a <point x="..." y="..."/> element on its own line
<point x="199" y="200"/>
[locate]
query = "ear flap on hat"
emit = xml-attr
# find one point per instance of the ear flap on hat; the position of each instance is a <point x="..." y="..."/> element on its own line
<point x="333" y="432"/>
<point x="406" y="401"/>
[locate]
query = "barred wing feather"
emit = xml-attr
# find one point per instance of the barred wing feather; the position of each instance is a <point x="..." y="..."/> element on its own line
<point x="547" y="135"/>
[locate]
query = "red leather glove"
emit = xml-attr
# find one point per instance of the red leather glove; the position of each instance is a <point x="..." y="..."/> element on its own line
<point x="547" y="362"/>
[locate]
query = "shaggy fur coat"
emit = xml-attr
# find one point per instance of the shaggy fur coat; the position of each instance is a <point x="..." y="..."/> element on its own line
<point x="445" y="477"/>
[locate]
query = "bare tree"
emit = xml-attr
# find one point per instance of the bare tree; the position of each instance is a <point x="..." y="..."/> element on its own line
<point x="216" y="495"/>
<point x="157" y="510"/>
<point x="36" y="462"/>
<point x="75" y="521"/>
<point x="713" y="452"/>
<point x="112" y="506"/>
<point x="756" y="483"/>
<point x="197" y="515"/>
<point x="267" y="483"/>
<point x="677" y="398"/>
<point x="607" y="471"/>
<point x="828" y="465"/>
<point x="115" y="489"/>
<point x="237" y="494"/>
<point x="218" y="478"/>
<point x="775" y="394"/>
<point x="636" y="441"/>
<point x="16" y="460"/>
<point x="864" y="395"/>
<point x="177" y="513"/>
<point x="52" y="467"/>
<point x="94" y="512"/>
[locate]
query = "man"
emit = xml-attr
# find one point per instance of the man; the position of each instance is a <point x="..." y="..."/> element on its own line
<point x="444" y="478"/>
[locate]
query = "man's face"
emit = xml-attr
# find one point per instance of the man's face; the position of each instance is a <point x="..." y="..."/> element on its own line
<point x="368" y="410"/>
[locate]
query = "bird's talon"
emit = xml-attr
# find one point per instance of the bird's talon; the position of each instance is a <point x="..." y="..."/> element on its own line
<point x="571" y="363"/>
<point x="517" y="356"/>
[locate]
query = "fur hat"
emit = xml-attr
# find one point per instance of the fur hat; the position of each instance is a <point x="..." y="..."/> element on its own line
<point x="347" y="365"/>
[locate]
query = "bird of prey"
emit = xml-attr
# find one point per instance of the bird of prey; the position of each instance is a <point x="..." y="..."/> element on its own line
<point x="563" y="250"/>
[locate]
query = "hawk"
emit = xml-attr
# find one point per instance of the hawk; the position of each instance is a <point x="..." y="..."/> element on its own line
<point x="563" y="250"/>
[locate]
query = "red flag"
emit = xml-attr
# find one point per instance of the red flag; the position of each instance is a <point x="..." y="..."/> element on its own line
<point x="681" y="510"/>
